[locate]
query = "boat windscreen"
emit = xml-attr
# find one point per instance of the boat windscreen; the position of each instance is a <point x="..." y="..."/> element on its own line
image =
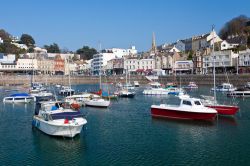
<point x="66" y="115"/>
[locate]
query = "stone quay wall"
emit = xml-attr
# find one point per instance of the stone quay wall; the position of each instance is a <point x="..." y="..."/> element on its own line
<point x="12" y="80"/>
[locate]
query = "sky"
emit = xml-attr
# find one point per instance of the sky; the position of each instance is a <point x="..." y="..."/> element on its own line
<point x="73" y="24"/>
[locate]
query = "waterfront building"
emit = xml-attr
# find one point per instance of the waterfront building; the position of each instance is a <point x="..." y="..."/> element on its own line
<point x="115" y="66"/>
<point x="59" y="64"/>
<point x="224" y="60"/>
<point x="9" y="58"/>
<point x="139" y="65"/>
<point x="226" y="45"/>
<point x="27" y="64"/>
<point x="46" y="66"/>
<point x="165" y="61"/>
<point x="183" y="67"/>
<point x="204" y="41"/>
<point x="244" y="61"/>
<point x="100" y="61"/>
<point x="198" y="61"/>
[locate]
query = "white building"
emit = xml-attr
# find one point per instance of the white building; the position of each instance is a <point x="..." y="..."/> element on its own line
<point x="40" y="50"/>
<point x="225" y="45"/>
<point x="139" y="64"/>
<point x="223" y="59"/>
<point x="183" y="66"/>
<point x="64" y="56"/>
<point x="1" y="41"/>
<point x="9" y="58"/>
<point x="100" y="61"/>
<point x="27" y="64"/>
<point x="22" y="46"/>
<point x="119" y="52"/>
<point x="20" y="65"/>
<point x="174" y="49"/>
<point x="244" y="58"/>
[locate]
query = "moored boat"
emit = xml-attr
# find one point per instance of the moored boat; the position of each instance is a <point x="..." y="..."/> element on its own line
<point x="18" y="98"/>
<point x="55" y="120"/>
<point x="225" y="87"/>
<point x="240" y="92"/>
<point x="126" y="93"/>
<point x="189" y="108"/>
<point x="191" y="85"/>
<point x="136" y="84"/>
<point x="97" y="102"/>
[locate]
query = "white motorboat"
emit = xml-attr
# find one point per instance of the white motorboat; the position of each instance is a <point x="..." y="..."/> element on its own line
<point x="136" y="84"/>
<point x="42" y="94"/>
<point x="66" y="91"/>
<point x="97" y="102"/>
<point x="80" y="98"/>
<point x="126" y="93"/>
<point x="18" y="98"/>
<point x="225" y="87"/>
<point x="189" y="108"/>
<point x="55" y="120"/>
<point x="191" y="85"/>
<point x="128" y="86"/>
<point x="240" y="92"/>
<point x="155" y="89"/>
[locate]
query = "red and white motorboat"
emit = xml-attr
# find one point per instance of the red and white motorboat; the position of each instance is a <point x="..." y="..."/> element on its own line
<point x="220" y="108"/>
<point x="189" y="108"/>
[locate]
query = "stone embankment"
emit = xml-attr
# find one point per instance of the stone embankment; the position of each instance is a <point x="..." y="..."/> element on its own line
<point x="237" y="80"/>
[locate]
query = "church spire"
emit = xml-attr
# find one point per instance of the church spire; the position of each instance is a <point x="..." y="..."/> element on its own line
<point x="153" y="48"/>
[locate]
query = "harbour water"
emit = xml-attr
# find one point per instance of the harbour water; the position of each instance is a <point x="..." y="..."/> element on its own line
<point x="126" y="134"/>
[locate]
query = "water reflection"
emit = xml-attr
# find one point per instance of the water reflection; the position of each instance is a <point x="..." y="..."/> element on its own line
<point x="182" y="122"/>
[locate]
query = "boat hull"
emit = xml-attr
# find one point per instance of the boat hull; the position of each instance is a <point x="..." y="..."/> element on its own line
<point x="240" y="94"/>
<point x="224" y="110"/>
<point x="167" y="113"/>
<point x="64" y="130"/>
<point x="18" y="100"/>
<point x="102" y="104"/>
<point x="129" y="95"/>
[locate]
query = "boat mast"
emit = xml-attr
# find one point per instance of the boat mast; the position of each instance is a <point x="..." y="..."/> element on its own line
<point x="69" y="77"/>
<point x="100" y="66"/>
<point x="213" y="56"/>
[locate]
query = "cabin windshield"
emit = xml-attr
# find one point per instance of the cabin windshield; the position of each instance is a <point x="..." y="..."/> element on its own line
<point x="197" y="102"/>
<point x="185" y="102"/>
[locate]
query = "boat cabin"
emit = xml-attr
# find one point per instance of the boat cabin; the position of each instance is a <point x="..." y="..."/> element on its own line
<point x="187" y="101"/>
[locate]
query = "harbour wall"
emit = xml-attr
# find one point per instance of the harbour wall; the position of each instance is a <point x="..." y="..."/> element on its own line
<point x="12" y="80"/>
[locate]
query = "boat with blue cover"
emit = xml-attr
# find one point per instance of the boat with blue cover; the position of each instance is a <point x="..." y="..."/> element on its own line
<point x="18" y="98"/>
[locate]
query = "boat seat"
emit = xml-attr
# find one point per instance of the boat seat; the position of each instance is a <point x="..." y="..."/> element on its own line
<point x="53" y="108"/>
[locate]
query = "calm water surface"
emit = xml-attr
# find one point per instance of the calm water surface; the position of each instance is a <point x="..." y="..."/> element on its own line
<point x="125" y="134"/>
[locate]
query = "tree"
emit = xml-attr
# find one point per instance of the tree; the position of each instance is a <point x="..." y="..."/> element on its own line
<point x="86" y="53"/>
<point x="9" y="48"/>
<point x="235" y="26"/>
<point x="248" y="41"/>
<point x="5" y="35"/>
<point x="27" y="40"/>
<point x="190" y="55"/>
<point x="53" y="48"/>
